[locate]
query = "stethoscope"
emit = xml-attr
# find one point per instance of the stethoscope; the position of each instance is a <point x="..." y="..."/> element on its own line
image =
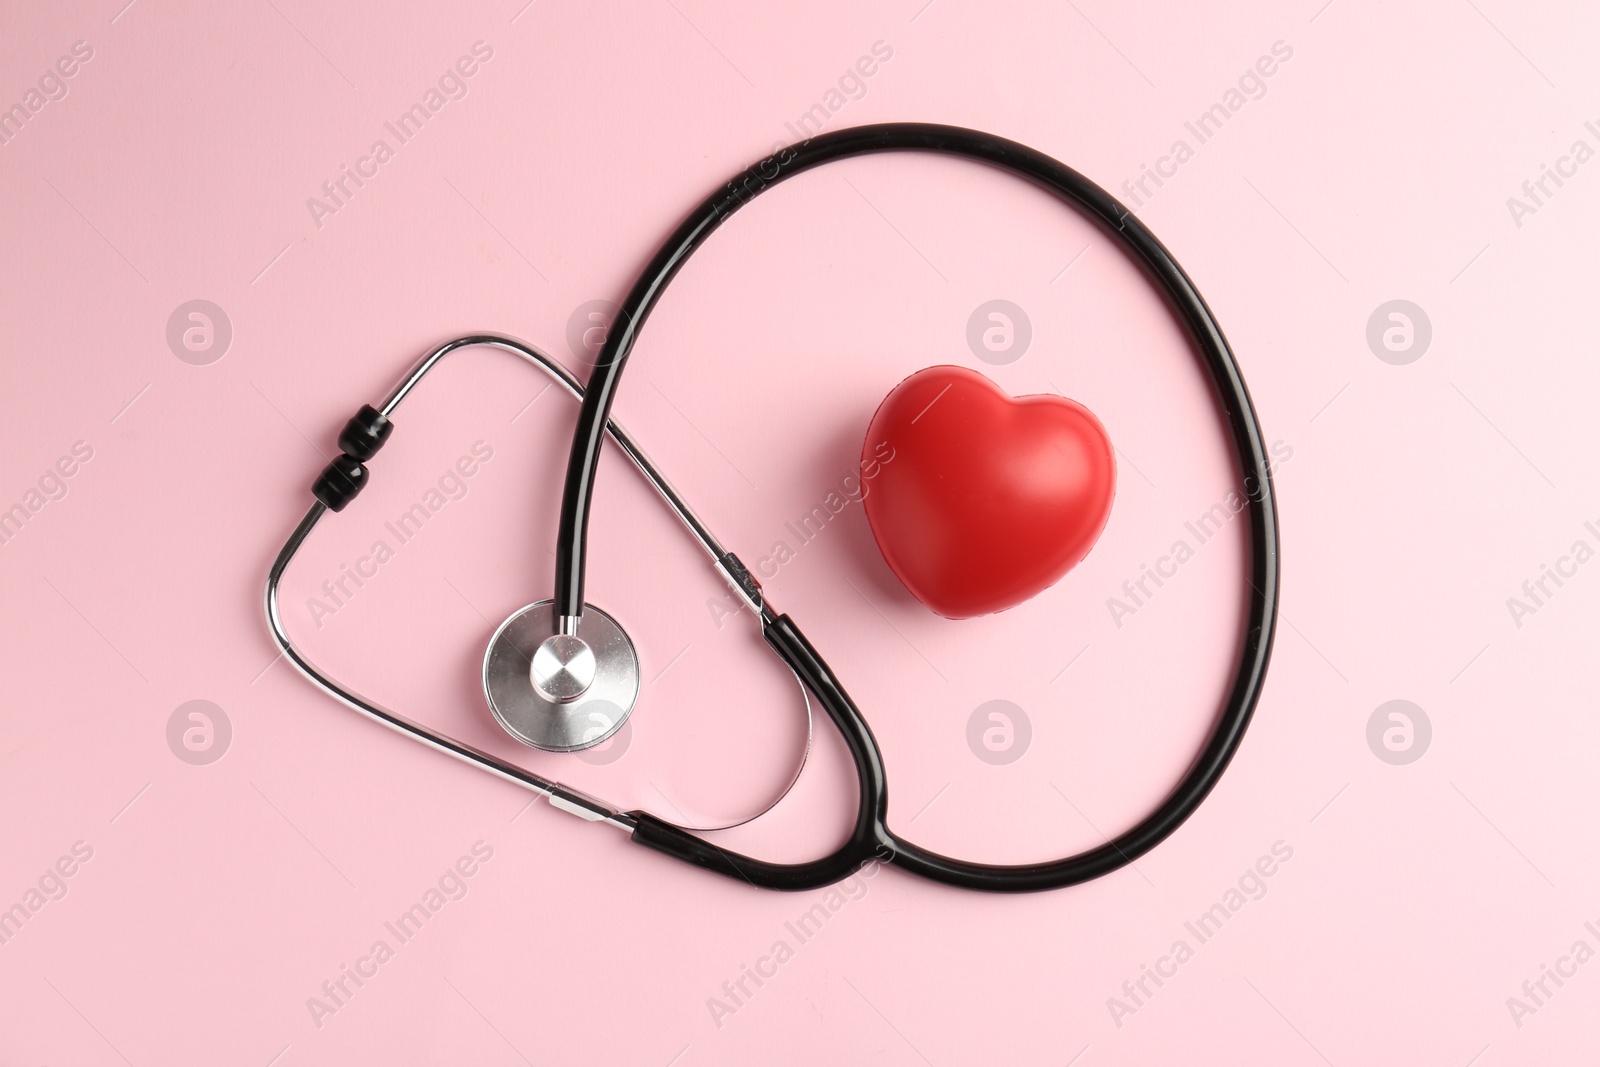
<point x="561" y="675"/>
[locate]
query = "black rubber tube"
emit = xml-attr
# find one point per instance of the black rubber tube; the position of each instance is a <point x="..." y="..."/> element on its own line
<point x="871" y="836"/>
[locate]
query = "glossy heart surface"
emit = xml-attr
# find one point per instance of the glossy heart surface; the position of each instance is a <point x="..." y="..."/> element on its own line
<point x="980" y="500"/>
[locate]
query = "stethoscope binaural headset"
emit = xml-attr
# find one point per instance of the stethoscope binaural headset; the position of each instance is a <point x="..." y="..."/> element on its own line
<point x="561" y="675"/>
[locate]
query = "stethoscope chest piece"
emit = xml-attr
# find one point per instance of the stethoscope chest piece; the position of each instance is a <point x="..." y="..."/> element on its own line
<point x="557" y="691"/>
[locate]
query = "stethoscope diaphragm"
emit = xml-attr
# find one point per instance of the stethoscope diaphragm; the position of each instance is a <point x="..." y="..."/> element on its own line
<point x="560" y="692"/>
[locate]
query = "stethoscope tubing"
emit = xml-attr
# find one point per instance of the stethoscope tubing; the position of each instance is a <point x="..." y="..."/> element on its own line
<point x="870" y="836"/>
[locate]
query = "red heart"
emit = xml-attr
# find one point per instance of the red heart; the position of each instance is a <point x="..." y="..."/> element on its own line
<point x="979" y="501"/>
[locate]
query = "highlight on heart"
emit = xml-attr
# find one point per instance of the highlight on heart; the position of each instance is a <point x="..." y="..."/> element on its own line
<point x="992" y="498"/>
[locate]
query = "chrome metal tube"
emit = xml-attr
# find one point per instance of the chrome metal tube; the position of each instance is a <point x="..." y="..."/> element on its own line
<point x="686" y="515"/>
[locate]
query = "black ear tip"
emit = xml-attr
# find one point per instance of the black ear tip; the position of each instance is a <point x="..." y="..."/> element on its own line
<point x="365" y="434"/>
<point x="339" y="483"/>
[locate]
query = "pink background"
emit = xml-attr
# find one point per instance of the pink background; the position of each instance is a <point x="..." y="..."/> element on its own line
<point x="217" y="899"/>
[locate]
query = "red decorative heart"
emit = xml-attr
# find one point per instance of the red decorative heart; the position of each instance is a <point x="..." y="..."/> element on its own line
<point x="979" y="501"/>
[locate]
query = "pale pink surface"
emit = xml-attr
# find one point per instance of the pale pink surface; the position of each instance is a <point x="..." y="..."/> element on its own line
<point x="1417" y="500"/>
